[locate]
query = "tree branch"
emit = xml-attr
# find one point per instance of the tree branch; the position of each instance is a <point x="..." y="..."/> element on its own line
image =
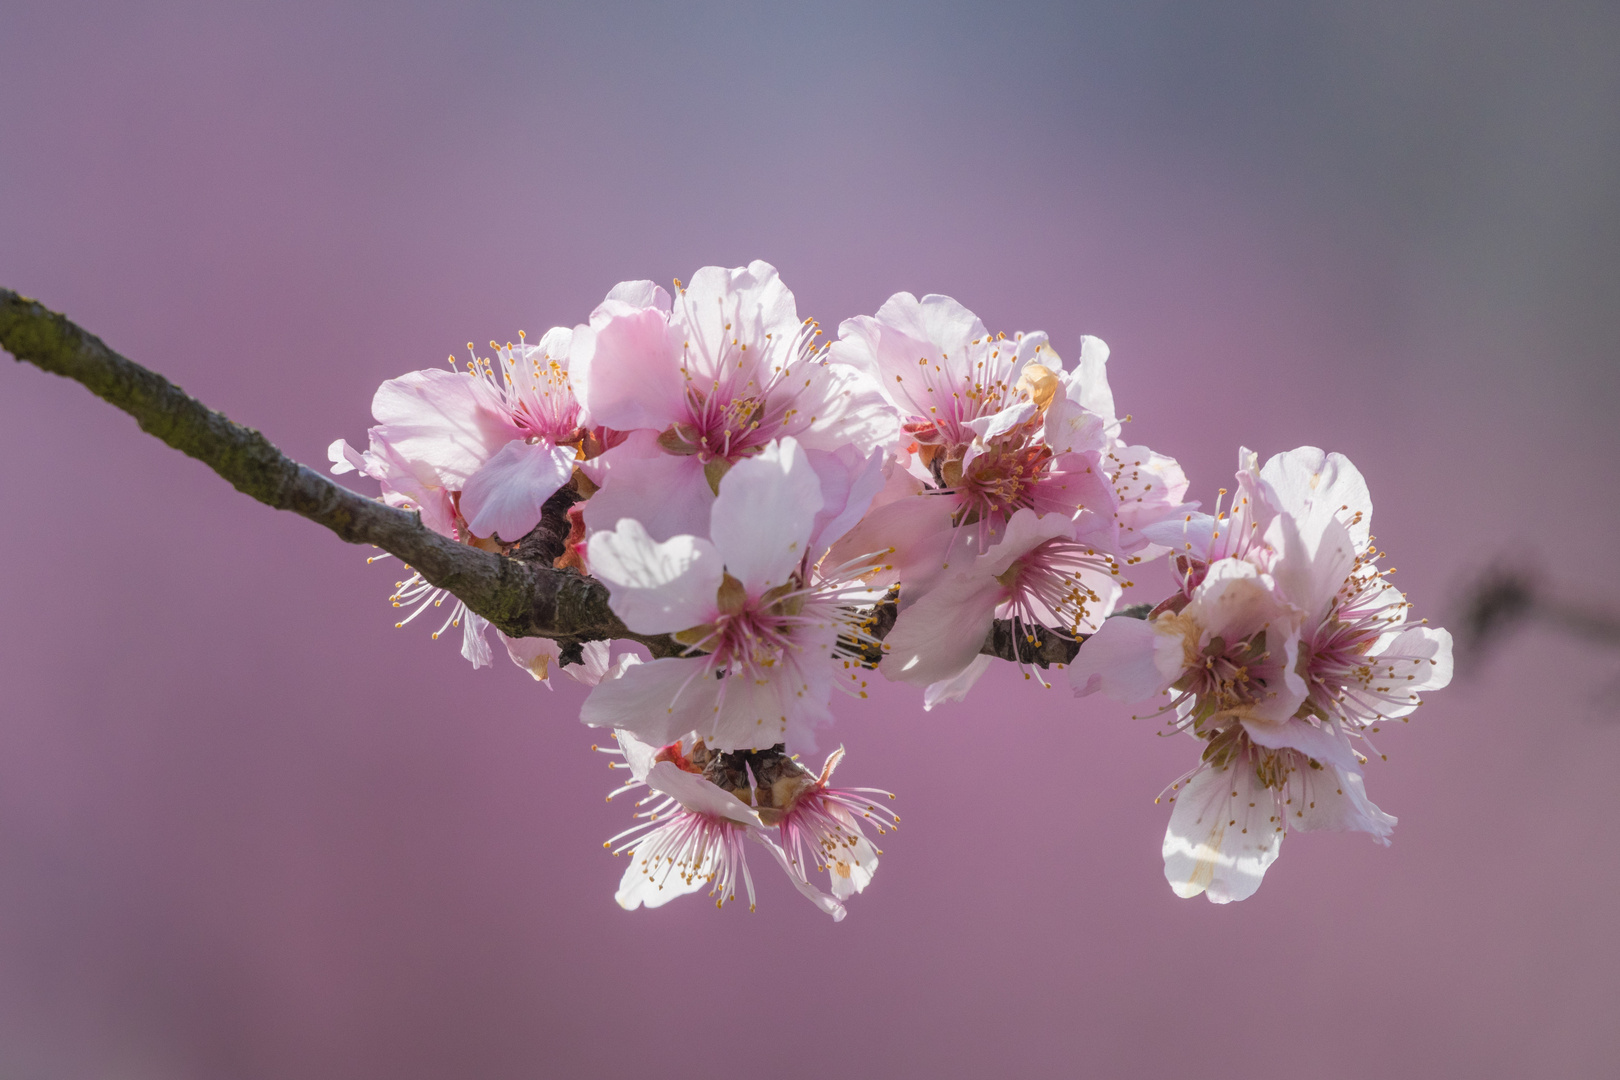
<point x="522" y="598"/>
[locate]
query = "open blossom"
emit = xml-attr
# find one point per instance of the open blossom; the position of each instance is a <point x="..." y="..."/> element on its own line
<point x="996" y="428"/>
<point x="693" y="835"/>
<point x="1280" y="651"/>
<point x="704" y="381"/>
<point x="477" y="453"/>
<point x="501" y="437"/>
<point x="820" y="826"/>
<point x="760" y="622"/>
<point x="1037" y="574"/>
<point x="707" y="805"/>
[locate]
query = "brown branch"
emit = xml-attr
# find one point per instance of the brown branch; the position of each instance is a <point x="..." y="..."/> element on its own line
<point x="522" y="598"/>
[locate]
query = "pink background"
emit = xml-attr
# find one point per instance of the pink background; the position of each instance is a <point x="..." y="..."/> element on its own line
<point x="247" y="829"/>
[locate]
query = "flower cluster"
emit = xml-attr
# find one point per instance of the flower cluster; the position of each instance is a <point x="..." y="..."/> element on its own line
<point x="791" y="514"/>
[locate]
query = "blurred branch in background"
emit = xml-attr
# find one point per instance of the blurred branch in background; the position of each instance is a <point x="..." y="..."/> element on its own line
<point x="1504" y="598"/>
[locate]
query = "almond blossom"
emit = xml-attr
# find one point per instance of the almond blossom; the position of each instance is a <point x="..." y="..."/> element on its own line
<point x="704" y="381"/>
<point x="760" y="622"/>
<point x="1279" y="651"/>
<point x="477" y="453"/>
<point x="1037" y="574"/>
<point x="997" y="427"/>
<point x="712" y="804"/>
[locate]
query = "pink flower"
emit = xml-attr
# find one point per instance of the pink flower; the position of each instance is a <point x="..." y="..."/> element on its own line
<point x="760" y="624"/>
<point x="503" y="433"/>
<point x="1284" y="644"/>
<point x="703" y="383"/>
<point x="477" y="453"/>
<point x="820" y="826"/>
<point x="1037" y="574"/>
<point x="712" y="805"/>
<point x="997" y="428"/>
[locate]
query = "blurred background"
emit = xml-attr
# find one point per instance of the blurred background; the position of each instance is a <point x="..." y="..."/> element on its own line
<point x="248" y="829"/>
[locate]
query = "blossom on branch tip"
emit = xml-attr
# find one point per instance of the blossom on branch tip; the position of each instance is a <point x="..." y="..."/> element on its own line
<point x="1284" y="648"/>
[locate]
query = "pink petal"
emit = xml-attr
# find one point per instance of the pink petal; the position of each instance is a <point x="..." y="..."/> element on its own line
<point x="627" y="373"/>
<point x="656" y="587"/>
<point x="668" y="494"/>
<point x="505" y="496"/>
<point x="762" y="518"/>
<point x="1128" y="660"/>
<point x="443" y="418"/>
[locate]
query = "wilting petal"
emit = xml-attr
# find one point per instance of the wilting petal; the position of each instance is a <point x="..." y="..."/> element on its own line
<point x="1222" y="835"/>
<point x="762" y="518"/>
<point x="505" y="496"/>
<point x="656" y="588"/>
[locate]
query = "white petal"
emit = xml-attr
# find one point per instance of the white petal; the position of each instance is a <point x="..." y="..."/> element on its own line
<point x="826" y="903"/>
<point x="344" y="458"/>
<point x="999" y="423"/>
<point x="631" y="296"/>
<point x="1236" y="601"/>
<point x="1335" y="800"/>
<point x="656" y="588"/>
<point x="639" y="755"/>
<point x="1312" y="563"/>
<point x="1409" y="663"/>
<point x="1222" y="835"/>
<point x="696" y="793"/>
<point x="762" y="518"/>
<point x="1322" y="742"/>
<point x="1128" y="659"/>
<point x="536" y="655"/>
<point x="504" y="497"/>
<point x="1315" y="487"/>
<point x="474" y="645"/>
<point x="955" y="689"/>
<point x="657" y="702"/>
<point x="1087" y="385"/>
<point x="639" y="889"/>
<point x="935" y="638"/>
